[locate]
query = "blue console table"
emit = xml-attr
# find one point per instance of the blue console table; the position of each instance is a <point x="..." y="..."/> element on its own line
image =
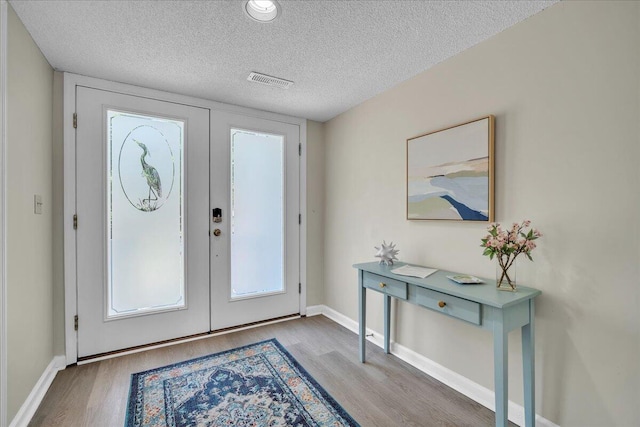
<point x="481" y="305"/>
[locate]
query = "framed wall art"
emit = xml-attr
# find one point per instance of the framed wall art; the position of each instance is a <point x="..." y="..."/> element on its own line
<point x="450" y="173"/>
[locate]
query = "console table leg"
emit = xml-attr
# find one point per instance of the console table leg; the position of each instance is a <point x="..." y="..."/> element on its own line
<point x="362" y="315"/>
<point x="528" y="362"/>
<point x="501" y="369"/>
<point x="387" y="322"/>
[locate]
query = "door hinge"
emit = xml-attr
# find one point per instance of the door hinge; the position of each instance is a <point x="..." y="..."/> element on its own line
<point x="299" y="218"/>
<point x="75" y="222"/>
<point x="300" y="149"/>
<point x="299" y="288"/>
<point x="75" y="322"/>
<point x="75" y="120"/>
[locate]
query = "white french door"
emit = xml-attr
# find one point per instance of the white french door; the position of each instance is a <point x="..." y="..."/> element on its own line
<point x="142" y="186"/>
<point x="255" y="248"/>
<point x="154" y="260"/>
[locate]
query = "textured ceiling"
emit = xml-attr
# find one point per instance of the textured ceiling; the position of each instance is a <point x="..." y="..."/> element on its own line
<point x="338" y="53"/>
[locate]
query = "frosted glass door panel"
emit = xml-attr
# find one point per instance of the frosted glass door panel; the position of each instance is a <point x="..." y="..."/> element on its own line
<point x="257" y="214"/>
<point x="145" y="262"/>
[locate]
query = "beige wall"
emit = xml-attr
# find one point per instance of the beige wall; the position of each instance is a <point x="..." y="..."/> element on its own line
<point x="29" y="236"/>
<point x="564" y="87"/>
<point x="315" y="213"/>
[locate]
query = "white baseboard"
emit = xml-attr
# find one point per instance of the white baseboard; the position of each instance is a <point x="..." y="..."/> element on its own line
<point x="463" y="385"/>
<point x="314" y="310"/>
<point x="29" y="407"/>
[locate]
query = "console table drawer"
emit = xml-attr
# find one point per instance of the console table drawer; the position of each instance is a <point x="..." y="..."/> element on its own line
<point x="448" y="304"/>
<point x="386" y="285"/>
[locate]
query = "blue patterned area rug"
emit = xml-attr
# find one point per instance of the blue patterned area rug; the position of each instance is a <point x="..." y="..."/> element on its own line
<point x="259" y="385"/>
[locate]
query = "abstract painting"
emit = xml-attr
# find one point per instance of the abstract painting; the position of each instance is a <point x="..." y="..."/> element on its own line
<point x="450" y="173"/>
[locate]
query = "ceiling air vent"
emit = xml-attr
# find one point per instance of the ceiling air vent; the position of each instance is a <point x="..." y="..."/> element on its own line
<point x="269" y="80"/>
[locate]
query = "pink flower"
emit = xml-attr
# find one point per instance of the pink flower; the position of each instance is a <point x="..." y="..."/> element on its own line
<point x="508" y="244"/>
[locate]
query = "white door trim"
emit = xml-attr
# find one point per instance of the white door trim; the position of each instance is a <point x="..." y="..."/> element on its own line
<point x="3" y="153"/>
<point x="69" y="101"/>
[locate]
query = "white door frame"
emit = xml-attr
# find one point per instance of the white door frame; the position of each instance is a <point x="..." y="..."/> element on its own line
<point x="70" y="83"/>
<point x="3" y="280"/>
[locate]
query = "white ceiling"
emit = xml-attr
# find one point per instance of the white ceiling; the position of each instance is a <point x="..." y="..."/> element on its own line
<point x="338" y="53"/>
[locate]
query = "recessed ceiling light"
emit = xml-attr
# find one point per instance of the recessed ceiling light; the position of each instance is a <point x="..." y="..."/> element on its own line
<point x="262" y="10"/>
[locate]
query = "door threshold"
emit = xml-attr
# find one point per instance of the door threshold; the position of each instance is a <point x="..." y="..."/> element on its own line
<point x="254" y="324"/>
<point x="138" y="349"/>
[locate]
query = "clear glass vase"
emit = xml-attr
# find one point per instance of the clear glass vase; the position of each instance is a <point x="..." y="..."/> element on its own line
<point x="506" y="279"/>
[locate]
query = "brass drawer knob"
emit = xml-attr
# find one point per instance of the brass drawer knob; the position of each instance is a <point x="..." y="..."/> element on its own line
<point x="441" y="304"/>
<point x="382" y="285"/>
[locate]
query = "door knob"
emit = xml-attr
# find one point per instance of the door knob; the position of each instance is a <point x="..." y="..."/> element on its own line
<point x="217" y="232"/>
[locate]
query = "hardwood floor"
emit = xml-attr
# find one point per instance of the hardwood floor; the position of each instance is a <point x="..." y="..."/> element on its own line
<point x="383" y="392"/>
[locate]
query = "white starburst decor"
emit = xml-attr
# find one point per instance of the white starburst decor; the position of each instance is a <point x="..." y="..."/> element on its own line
<point x="387" y="253"/>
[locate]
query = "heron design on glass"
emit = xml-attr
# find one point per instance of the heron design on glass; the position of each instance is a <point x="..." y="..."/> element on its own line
<point x="151" y="175"/>
<point x="143" y="173"/>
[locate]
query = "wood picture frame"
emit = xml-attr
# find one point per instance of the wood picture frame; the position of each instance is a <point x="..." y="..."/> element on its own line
<point x="450" y="173"/>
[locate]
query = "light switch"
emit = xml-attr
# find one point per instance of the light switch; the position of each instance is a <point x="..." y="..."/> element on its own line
<point x="37" y="204"/>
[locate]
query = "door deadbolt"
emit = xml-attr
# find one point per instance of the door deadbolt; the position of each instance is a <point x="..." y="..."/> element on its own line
<point x="217" y="215"/>
<point x="217" y="232"/>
